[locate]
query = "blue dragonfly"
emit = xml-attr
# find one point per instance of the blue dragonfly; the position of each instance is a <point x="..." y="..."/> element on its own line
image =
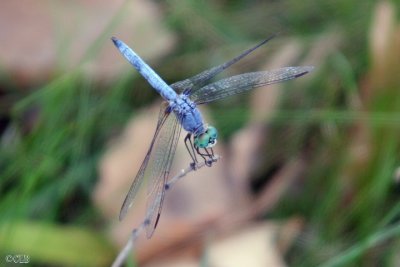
<point x="181" y="99"/>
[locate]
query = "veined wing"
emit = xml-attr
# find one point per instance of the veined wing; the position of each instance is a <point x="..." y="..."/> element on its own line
<point x="153" y="167"/>
<point x="190" y="85"/>
<point x="158" y="171"/>
<point x="244" y="82"/>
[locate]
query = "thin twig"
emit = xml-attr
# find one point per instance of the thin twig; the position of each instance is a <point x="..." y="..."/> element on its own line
<point x="136" y="232"/>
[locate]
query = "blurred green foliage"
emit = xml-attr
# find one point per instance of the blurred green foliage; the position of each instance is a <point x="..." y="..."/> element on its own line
<point x="56" y="133"/>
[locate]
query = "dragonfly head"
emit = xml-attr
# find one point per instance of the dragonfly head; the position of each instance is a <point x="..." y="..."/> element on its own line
<point x="207" y="139"/>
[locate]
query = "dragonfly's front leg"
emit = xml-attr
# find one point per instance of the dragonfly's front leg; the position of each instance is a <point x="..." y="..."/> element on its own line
<point x="208" y="155"/>
<point x="190" y="148"/>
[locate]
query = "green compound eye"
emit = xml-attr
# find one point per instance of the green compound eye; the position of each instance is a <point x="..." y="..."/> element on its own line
<point x="212" y="132"/>
<point x="207" y="139"/>
<point x="201" y="141"/>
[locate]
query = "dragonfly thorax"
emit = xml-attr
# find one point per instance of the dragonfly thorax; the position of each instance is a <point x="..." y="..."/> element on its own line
<point x="188" y="114"/>
<point x="207" y="139"/>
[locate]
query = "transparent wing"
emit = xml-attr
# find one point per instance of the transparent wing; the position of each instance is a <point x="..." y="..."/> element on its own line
<point x="191" y="84"/>
<point x="244" y="82"/>
<point x="149" y="166"/>
<point x="158" y="170"/>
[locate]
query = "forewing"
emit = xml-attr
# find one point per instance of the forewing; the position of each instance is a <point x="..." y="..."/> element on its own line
<point x="162" y="118"/>
<point x="191" y="84"/>
<point x="244" y="82"/>
<point x="158" y="170"/>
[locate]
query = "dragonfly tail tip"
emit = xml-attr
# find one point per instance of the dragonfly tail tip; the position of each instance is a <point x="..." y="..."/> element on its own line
<point x="115" y="40"/>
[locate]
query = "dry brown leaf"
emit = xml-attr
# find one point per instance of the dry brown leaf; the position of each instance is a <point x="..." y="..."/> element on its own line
<point x="38" y="36"/>
<point x="253" y="246"/>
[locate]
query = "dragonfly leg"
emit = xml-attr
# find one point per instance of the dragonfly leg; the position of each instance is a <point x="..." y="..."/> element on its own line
<point x="208" y="155"/>
<point x="190" y="149"/>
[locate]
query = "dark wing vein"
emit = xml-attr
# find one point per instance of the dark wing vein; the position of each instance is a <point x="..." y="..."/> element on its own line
<point x="191" y="84"/>
<point x="163" y="116"/>
<point x="244" y="82"/>
<point x="158" y="171"/>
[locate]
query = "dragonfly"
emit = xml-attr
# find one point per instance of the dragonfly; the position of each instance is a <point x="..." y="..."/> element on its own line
<point x="179" y="110"/>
